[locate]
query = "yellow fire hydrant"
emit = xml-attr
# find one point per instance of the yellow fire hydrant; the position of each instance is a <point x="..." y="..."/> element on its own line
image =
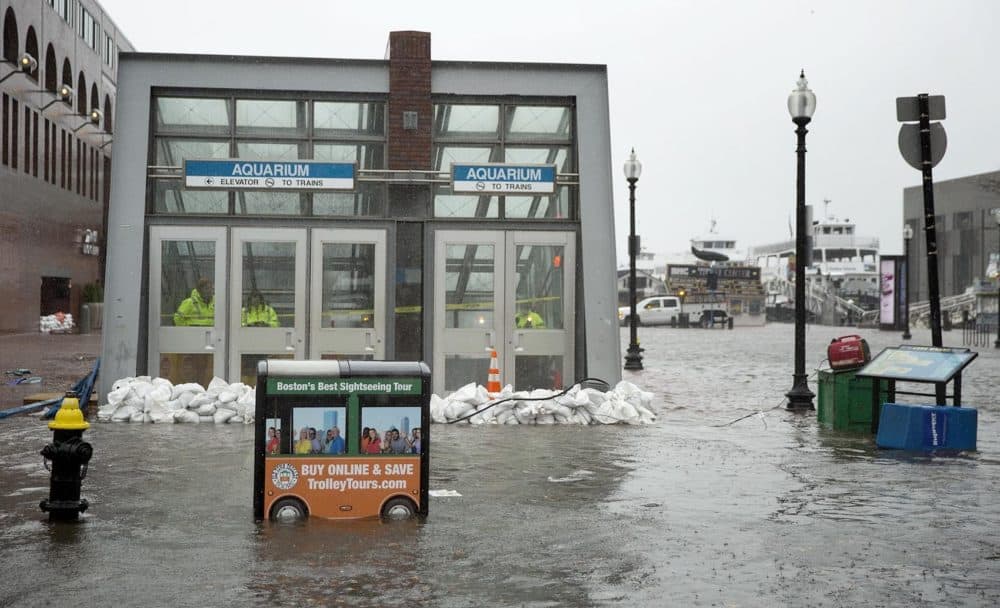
<point x="70" y="455"/>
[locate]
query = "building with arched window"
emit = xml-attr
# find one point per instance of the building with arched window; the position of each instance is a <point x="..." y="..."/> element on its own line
<point x="57" y="93"/>
<point x="397" y="209"/>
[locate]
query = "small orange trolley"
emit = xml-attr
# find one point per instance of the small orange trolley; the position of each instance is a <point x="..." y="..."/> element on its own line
<point x="341" y="439"/>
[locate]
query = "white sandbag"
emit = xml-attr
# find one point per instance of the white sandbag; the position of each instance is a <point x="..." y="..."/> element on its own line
<point x="206" y="419"/>
<point x="216" y="386"/>
<point x="581" y="416"/>
<point x="545" y="419"/>
<point x="138" y="416"/>
<point x="162" y="382"/>
<point x="482" y="395"/>
<point x="206" y="410"/>
<point x="228" y="396"/>
<point x="524" y="412"/>
<point x="185" y="416"/>
<point x="105" y="412"/>
<point x="117" y="395"/>
<point x="160" y="415"/>
<point x="123" y="382"/>
<point x="189" y="387"/>
<point x="123" y="413"/>
<point x="222" y="416"/>
<point x="468" y="394"/>
<point x="201" y="399"/>
<point x="457" y="409"/>
<point x="551" y="407"/>
<point x="595" y="396"/>
<point x="646" y="416"/>
<point x="174" y="405"/>
<point x="504" y="416"/>
<point x="437" y="409"/>
<point x="185" y="399"/>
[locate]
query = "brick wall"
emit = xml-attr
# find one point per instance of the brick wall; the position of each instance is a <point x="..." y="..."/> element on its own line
<point x="410" y="91"/>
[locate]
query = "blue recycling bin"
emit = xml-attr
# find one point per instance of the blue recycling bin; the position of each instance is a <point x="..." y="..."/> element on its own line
<point x="927" y="428"/>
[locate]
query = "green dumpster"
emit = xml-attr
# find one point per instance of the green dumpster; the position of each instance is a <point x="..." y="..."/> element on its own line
<point x="845" y="401"/>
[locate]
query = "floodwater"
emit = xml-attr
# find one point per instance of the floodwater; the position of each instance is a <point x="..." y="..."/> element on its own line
<point x="696" y="510"/>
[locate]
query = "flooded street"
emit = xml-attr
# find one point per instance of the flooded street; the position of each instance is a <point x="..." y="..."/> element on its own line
<point x="695" y="510"/>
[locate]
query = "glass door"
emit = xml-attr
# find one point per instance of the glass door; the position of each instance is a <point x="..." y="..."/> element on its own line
<point x="267" y="316"/>
<point x="508" y="291"/>
<point x="541" y="284"/>
<point x="187" y="336"/>
<point x="347" y="299"/>
<point x="468" y="306"/>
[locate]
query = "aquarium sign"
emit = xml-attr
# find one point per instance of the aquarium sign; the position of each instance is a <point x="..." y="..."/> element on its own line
<point x="495" y="178"/>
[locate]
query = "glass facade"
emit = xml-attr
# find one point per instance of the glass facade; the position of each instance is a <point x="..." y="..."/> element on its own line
<point x="223" y="127"/>
<point x="504" y="133"/>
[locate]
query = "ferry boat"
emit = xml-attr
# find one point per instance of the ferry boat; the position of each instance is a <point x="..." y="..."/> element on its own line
<point x="844" y="265"/>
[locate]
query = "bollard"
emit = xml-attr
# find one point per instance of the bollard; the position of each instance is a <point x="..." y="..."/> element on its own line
<point x="730" y="322"/>
<point x="69" y="455"/>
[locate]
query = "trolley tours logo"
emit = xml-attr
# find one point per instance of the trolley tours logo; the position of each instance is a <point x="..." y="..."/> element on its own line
<point x="284" y="476"/>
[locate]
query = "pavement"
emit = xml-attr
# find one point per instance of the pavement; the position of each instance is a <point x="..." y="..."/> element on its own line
<point x="59" y="360"/>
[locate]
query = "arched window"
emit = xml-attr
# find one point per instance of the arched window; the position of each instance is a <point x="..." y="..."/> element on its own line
<point x="10" y="42"/>
<point x="67" y="73"/>
<point x="95" y="99"/>
<point x="107" y="113"/>
<point x="31" y="48"/>
<point x="51" y="70"/>
<point x="81" y="95"/>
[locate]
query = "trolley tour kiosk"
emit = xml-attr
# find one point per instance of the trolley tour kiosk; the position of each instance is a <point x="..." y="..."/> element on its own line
<point x="341" y="439"/>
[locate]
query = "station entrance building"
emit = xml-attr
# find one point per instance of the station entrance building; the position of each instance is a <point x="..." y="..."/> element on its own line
<point x="399" y="209"/>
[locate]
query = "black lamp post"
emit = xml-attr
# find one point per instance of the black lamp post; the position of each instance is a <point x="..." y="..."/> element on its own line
<point x="801" y="105"/>
<point x="996" y="217"/>
<point x="633" y="360"/>
<point x="907" y="235"/>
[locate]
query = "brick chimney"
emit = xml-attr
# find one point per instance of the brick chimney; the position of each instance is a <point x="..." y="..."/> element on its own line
<point x="410" y="110"/>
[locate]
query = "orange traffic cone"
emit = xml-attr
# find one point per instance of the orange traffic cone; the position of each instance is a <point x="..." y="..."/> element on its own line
<point x="493" y="379"/>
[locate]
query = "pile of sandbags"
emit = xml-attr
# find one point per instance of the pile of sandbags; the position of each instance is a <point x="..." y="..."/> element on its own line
<point x="59" y="322"/>
<point x="624" y="404"/>
<point x="146" y="399"/>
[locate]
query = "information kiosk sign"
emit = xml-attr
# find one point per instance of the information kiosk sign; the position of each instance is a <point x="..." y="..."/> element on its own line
<point x="341" y="439"/>
<point x="918" y="364"/>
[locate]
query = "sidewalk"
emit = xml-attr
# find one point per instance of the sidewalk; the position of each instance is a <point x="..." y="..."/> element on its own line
<point x="60" y="360"/>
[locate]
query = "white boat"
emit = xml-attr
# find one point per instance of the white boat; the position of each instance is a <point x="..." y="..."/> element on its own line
<point x="844" y="265"/>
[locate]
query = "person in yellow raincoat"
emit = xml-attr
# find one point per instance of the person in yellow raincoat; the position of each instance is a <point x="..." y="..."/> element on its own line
<point x="258" y="313"/>
<point x="529" y="319"/>
<point x="198" y="309"/>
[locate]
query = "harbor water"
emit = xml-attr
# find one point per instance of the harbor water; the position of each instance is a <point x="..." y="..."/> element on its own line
<point x="727" y="500"/>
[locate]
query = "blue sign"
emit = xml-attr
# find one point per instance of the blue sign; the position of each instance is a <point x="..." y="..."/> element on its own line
<point x="268" y="175"/>
<point x="491" y="178"/>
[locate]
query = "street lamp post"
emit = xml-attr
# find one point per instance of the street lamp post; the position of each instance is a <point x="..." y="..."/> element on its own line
<point x="996" y="217"/>
<point x="633" y="359"/>
<point x="907" y="235"/>
<point x="801" y="105"/>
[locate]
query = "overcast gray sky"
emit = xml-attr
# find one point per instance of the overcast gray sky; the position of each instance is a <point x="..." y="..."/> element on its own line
<point x="698" y="87"/>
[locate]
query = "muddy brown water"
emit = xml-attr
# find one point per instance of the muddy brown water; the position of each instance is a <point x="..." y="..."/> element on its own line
<point x="696" y="510"/>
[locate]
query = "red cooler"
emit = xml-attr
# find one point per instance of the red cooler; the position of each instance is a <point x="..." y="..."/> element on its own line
<point x="848" y="352"/>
